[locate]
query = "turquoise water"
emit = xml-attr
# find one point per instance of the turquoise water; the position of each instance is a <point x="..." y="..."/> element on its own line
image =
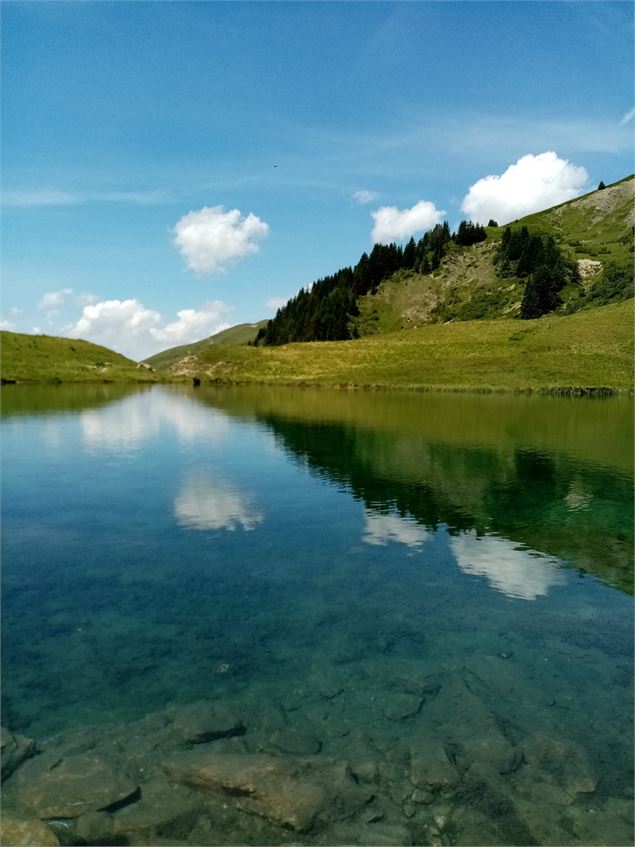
<point x="312" y="557"/>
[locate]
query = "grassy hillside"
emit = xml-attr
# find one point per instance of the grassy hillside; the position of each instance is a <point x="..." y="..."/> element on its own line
<point x="591" y="349"/>
<point x="594" y="230"/>
<point x="239" y="334"/>
<point x="44" y="358"/>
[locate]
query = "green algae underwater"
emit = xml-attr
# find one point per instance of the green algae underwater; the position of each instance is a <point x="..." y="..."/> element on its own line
<point x="270" y="616"/>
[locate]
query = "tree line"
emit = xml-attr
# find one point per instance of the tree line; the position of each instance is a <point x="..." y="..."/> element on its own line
<point x="323" y="310"/>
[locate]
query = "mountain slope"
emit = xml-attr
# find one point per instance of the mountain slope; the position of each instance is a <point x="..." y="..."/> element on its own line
<point x="239" y="334"/>
<point x="45" y="358"/>
<point x="595" y="230"/>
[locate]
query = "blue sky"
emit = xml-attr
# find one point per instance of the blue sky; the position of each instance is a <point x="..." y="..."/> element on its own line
<point x="209" y="159"/>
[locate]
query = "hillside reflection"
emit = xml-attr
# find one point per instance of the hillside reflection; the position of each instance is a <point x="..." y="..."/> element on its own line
<point x="506" y="476"/>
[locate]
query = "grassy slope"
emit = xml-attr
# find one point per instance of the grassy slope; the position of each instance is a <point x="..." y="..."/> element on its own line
<point x="239" y="334"/>
<point x="590" y="349"/>
<point x="596" y="226"/>
<point x="44" y="358"/>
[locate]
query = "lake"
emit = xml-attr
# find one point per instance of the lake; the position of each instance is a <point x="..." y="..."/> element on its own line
<point x="257" y="615"/>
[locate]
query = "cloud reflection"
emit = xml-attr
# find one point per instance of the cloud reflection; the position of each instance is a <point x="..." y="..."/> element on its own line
<point x="515" y="571"/>
<point x="128" y="424"/>
<point x="206" y="505"/>
<point x="381" y="528"/>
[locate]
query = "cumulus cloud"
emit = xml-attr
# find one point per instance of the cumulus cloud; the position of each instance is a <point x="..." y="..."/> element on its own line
<point x="123" y="325"/>
<point x="393" y="224"/>
<point x="529" y="185"/>
<point x="6" y="324"/>
<point x="275" y="303"/>
<point x="364" y="196"/>
<point x="53" y="299"/>
<point x="211" y="238"/>
<point x="128" y="327"/>
<point x="194" y="324"/>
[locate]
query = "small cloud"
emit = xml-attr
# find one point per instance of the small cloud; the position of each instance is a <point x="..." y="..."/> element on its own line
<point x="211" y="238"/>
<point x="6" y="324"/>
<point x="52" y="197"/>
<point x="52" y="299"/>
<point x="393" y="224"/>
<point x="529" y="185"/>
<point x="14" y="311"/>
<point x="275" y="303"/>
<point x="628" y="117"/>
<point x="362" y="197"/>
<point x="194" y="324"/>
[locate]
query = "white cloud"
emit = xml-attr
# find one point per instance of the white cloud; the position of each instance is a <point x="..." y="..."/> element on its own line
<point x="628" y="117"/>
<point x="275" y="303"/>
<point x="123" y="325"/>
<point x="6" y="324"/>
<point x="52" y="299"/>
<point x="128" y="327"/>
<point x="529" y="185"/>
<point x="206" y="505"/>
<point x="212" y="238"/>
<point x="362" y="197"/>
<point x="393" y="224"/>
<point x="380" y="529"/>
<point x="194" y="324"/>
<point x="518" y="572"/>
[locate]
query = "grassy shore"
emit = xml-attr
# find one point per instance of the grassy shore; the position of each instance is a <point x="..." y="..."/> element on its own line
<point x="45" y="358"/>
<point x="589" y="351"/>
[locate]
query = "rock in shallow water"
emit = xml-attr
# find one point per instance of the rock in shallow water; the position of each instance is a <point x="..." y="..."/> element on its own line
<point x="53" y="787"/>
<point x="201" y="722"/>
<point x="15" y="832"/>
<point x="14" y="749"/>
<point x="292" y="792"/>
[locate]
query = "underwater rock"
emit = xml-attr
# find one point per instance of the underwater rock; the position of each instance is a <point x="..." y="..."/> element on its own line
<point x="296" y="742"/>
<point x="55" y="787"/>
<point x="431" y="768"/>
<point x="292" y="792"/>
<point x="14" y="749"/>
<point x="494" y="751"/>
<point x="201" y="722"/>
<point x="564" y="761"/>
<point x="93" y="828"/>
<point x="399" y="707"/>
<point x="15" y="832"/>
<point x="162" y="809"/>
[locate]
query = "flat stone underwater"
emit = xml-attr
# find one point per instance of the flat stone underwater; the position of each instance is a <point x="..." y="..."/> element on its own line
<point x="266" y="616"/>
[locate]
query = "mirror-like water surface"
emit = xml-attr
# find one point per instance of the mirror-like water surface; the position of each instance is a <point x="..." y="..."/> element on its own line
<point x="314" y="617"/>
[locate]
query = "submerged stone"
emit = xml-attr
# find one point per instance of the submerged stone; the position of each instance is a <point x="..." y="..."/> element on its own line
<point x="431" y="768"/>
<point x="565" y="762"/>
<point x="14" y="749"/>
<point x="296" y="742"/>
<point x="201" y="722"/>
<point x="69" y="787"/>
<point x="15" y="832"/>
<point x="296" y="793"/>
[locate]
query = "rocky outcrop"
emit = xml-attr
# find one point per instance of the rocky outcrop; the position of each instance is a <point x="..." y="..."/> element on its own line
<point x="15" y="832"/>
<point x="292" y="792"/>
